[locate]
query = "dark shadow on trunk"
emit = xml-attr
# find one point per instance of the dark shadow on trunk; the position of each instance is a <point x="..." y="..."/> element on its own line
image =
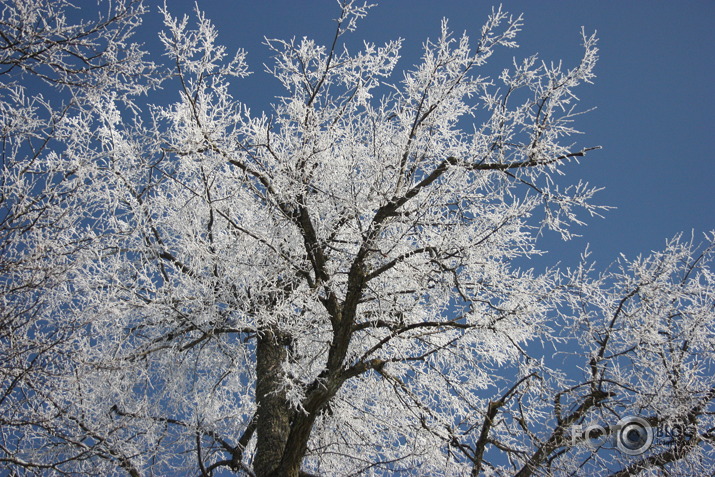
<point x="273" y="424"/>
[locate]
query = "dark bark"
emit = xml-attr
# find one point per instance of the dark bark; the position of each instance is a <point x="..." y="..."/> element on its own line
<point x="558" y="436"/>
<point x="273" y="416"/>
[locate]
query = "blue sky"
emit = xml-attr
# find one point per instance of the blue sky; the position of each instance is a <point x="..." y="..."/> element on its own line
<point x="653" y="94"/>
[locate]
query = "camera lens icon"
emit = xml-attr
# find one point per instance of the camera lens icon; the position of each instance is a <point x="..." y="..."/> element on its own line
<point x="634" y="435"/>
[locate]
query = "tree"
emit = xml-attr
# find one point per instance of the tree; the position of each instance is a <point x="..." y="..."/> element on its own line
<point x="333" y="289"/>
<point x="52" y="69"/>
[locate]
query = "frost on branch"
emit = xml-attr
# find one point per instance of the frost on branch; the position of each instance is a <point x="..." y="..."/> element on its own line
<point x="330" y="288"/>
<point x="42" y="38"/>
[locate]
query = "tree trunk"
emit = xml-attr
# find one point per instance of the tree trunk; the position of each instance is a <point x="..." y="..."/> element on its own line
<point x="273" y="424"/>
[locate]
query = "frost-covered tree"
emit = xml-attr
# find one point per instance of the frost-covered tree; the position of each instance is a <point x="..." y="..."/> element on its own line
<point x="332" y="288"/>
<point x="54" y="64"/>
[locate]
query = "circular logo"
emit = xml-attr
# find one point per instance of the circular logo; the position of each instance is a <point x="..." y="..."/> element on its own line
<point x="634" y="435"/>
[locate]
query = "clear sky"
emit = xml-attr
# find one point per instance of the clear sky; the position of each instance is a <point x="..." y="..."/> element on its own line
<point x="653" y="93"/>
